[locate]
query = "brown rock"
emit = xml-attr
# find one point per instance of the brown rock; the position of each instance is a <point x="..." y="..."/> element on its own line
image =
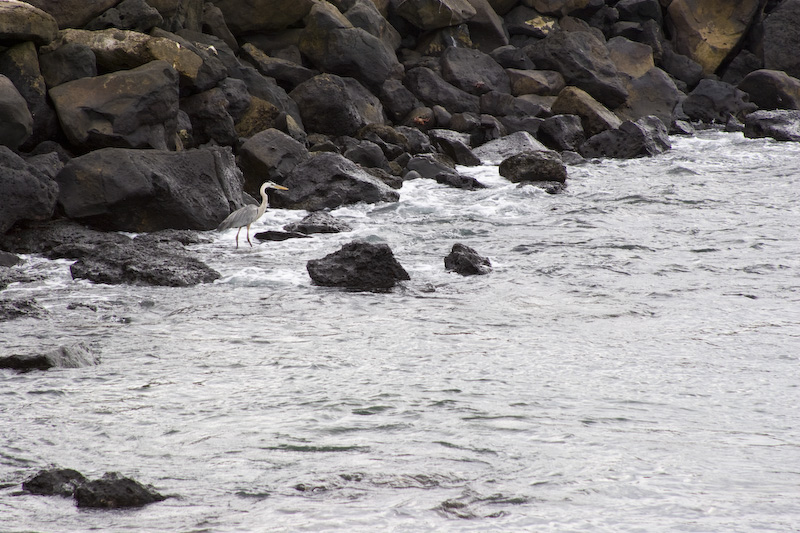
<point x="595" y="117"/>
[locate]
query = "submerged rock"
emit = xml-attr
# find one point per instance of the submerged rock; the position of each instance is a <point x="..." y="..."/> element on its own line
<point x="11" y="309"/>
<point x="54" y="482"/>
<point x="780" y="124"/>
<point x="114" y="491"/>
<point x="358" y="265"/>
<point x="75" y="356"/>
<point x="466" y="261"/>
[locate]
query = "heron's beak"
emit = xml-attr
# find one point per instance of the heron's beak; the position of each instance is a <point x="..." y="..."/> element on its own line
<point x="280" y="187"/>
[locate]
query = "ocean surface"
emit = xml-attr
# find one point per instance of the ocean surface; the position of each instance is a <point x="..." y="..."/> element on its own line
<point x="631" y="364"/>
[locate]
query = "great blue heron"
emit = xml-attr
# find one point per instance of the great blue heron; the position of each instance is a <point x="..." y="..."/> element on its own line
<point x="244" y="216"/>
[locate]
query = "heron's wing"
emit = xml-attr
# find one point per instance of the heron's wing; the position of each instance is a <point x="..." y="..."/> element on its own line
<point x="241" y="217"/>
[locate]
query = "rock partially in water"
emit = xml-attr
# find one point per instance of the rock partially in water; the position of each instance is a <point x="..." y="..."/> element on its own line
<point x="646" y="137"/>
<point x="715" y="101"/>
<point x="11" y="309"/>
<point x="494" y="152"/>
<point x="318" y="222"/>
<point x="534" y="166"/>
<point x="780" y="124"/>
<point x="54" y="482"/>
<point x="466" y="261"/>
<point x="358" y="265"/>
<point x="458" y="181"/>
<point x="8" y="259"/>
<point x="114" y="491"/>
<point x="75" y="356"/>
<point x="272" y="235"/>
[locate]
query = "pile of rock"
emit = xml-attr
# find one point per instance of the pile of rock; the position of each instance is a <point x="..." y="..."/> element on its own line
<point x="141" y="115"/>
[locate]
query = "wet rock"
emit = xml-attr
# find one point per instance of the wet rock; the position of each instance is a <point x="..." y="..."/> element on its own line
<point x="57" y="239"/>
<point x="269" y="155"/>
<point x="466" y="261"/>
<point x="21" y="21"/>
<point x="135" y="108"/>
<point x="27" y="192"/>
<point x="432" y="90"/>
<point x="782" y="38"/>
<point x="333" y="105"/>
<point x="262" y="15"/>
<point x="318" y="222"/>
<point x="54" y="482"/>
<point x="277" y="236"/>
<point x="114" y="491"/>
<point x="455" y="145"/>
<point x="15" y="117"/>
<point x="708" y="30"/>
<point x="8" y="260"/>
<point x="562" y="132"/>
<point x="584" y="62"/>
<point x="494" y="152"/>
<point x="781" y="125"/>
<point x="430" y="165"/>
<point x="772" y="89"/>
<point x="147" y="190"/>
<point x="358" y="265"/>
<point x="646" y="137"/>
<point x="595" y="117"/>
<point x="534" y="166"/>
<point x="328" y="180"/>
<point x="13" y="309"/>
<point x="434" y="14"/>
<point x="458" y="181"/>
<point x="371" y="17"/>
<point x="134" y="15"/>
<point x="473" y="71"/>
<point x="75" y="356"/>
<point x="334" y="45"/>
<point x="715" y="101"/>
<point x="743" y="64"/>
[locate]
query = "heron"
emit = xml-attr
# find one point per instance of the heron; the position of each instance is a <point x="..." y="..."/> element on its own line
<point x="244" y="216"/>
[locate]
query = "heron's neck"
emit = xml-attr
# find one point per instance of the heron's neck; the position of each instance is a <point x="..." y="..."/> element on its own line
<point x="264" y="203"/>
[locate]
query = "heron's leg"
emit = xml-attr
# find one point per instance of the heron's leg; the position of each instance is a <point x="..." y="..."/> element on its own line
<point x="248" y="236"/>
<point x="237" y="236"/>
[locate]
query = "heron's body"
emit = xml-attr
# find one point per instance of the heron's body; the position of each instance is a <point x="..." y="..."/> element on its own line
<point x="245" y="216"/>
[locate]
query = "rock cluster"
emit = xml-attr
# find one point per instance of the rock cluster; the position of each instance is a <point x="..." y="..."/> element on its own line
<point x="144" y="115"/>
<point x="112" y="491"/>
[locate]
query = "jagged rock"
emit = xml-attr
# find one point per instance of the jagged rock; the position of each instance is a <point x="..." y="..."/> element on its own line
<point x="397" y="100"/>
<point x="334" y="45"/>
<point x="542" y="82"/>
<point x="534" y="166"/>
<point x="473" y="71"/>
<point x="486" y="28"/>
<point x="366" y="15"/>
<point x="499" y="104"/>
<point x="75" y="356"/>
<point x="268" y="90"/>
<point x="494" y="152"/>
<point x="455" y="145"/>
<point x="326" y="181"/>
<point x="458" y="181"/>
<point x="12" y="309"/>
<point x="716" y="101"/>
<point x="135" y="108"/>
<point x="639" y="10"/>
<point x="430" y="165"/>
<point x="134" y="15"/>
<point x="367" y="154"/>
<point x="432" y="90"/>
<point x="631" y="58"/>
<point x="336" y="106"/>
<point x="584" y="62"/>
<point x="73" y="13"/>
<point x="147" y="190"/>
<point x="511" y="57"/>
<point x="466" y="261"/>
<point x="682" y="68"/>
<point x="277" y="236"/>
<point x="318" y="222"/>
<point x="358" y="265"/>
<point x="21" y="21"/>
<point x="54" y="482"/>
<point x="654" y="93"/>
<point x="743" y="64"/>
<point x="262" y="15"/>
<point x="269" y="155"/>
<point x="56" y="239"/>
<point x="772" y="89"/>
<point x="522" y="20"/>
<point x="27" y="192"/>
<point x="595" y="117"/>
<point x="782" y="38"/>
<point x="212" y="69"/>
<point x="237" y="96"/>
<point x="15" y="117"/>
<point x="213" y="22"/>
<point x="708" y="30"/>
<point x="434" y="14"/>
<point x="781" y="125"/>
<point x="562" y="132"/>
<point x="210" y="119"/>
<point x="114" y="491"/>
<point x="646" y="137"/>
<point x="66" y="63"/>
<point x="288" y="74"/>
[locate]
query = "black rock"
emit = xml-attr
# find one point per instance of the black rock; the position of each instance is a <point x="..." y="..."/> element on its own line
<point x="75" y="356"/>
<point x="11" y="309"/>
<point x="55" y="482"/>
<point x="780" y="124"/>
<point x="114" y="491"/>
<point x="459" y="181"/>
<point x="318" y="222"/>
<point x="466" y="261"/>
<point x="715" y="101"/>
<point x="534" y="166"/>
<point x="279" y="235"/>
<point x="646" y="137"/>
<point x="358" y="265"/>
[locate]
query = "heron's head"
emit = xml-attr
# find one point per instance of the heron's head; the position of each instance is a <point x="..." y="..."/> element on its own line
<point x="272" y="185"/>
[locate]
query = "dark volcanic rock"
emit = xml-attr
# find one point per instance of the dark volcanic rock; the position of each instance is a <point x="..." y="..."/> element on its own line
<point x="358" y="265"/>
<point x="473" y="71"/>
<point x="646" y="136"/>
<point x="114" y="491"/>
<point x="333" y="105"/>
<point x="67" y="63"/>
<point x="455" y="145"/>
<point x="57" y="239"/>
<point x="269" y="155"/>
<point x="433" y="90"/>
<point x="75" y="356"/>
<point x="15" y="117"/>
<point x="318" y="222"/>
<point x="772" y="89"/>
<point x="11" y="309"/>
<point x="494" y="152"/>
<point x="27" y="193"/>
<point x="128" y="15"/>
<point x="782" y="38"/>
<point x="277" y="236"/>
<point x="781" y="125"/>
<point x="716" y="101"/>
<point x="55" y="482"/>
<point x="466" y="261"/>
<point x="534" y="166"/>
<point x="459" y="181"/>
<point x="328" y="180"/>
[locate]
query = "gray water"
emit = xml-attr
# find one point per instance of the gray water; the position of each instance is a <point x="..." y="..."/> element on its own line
<point x="631" y="364"/>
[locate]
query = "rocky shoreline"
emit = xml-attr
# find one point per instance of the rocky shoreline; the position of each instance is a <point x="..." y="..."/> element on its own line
<point x="145" y="116"/>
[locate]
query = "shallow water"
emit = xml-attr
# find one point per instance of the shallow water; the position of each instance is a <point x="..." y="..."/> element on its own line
<point x="631" y="364"/>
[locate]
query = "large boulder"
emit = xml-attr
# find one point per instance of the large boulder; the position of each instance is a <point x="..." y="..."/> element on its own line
<point x="28" y="194"/>
<point x="147" y="190"/>
<point x="772" y="89"/>
<point x="21" y="308"/>
<point x="716" y="101"/>
<point x="367" y="15"/>
<point x="647" y="136"/>
<point x="631" y="58"/>
<point x="358" y="265"/>
<point x="595" y="117"/>
<point x="781" y="125"/>
<point x="333" y="105"/>
<point x="473" y="71"/>
<point x="496" y="151"/>
<point x="73" y="13"/>
<point x="709" y="30"/>
<point x="534" y="166"/>
<point x="15" y="117"/>
<point x="136" y="15"/>
<point x="269" y="155"/>
<point x="254" y="16"/>
<point x="562" y="132"/>
<point x="334" y="45"/>
<point x="486" y="28"/>
<point x="434" y="14"/>
<point x="584" y="61"/>
<point x="466" y="261"/>
<point x="210" y="118"/>
<point x="782" y="38"/>
<point x="135" y="108"/>
<point x="558" y="8"/>
<point x="432" y="90"/>
<point x="114" y="491"/>
<point x="54" y="482"/>
<point x="66" y="63"/>
<point x="540" y="82"/>
<point x="328" y="180"/>
<point x="21" y="21"/>
<point x="653" y="93"/>
<point x="287" y="73"/>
